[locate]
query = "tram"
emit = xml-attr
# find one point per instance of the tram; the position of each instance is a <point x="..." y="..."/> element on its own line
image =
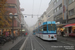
<point x="33" y="32"/>
<point x="47" y="31"/>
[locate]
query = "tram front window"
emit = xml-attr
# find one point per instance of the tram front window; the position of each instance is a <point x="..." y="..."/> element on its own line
<point x="51" y="27"/>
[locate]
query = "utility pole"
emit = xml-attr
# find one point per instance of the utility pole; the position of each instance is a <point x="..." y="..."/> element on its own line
<point x="21" y="29"/>
<point x="12" y="29"/>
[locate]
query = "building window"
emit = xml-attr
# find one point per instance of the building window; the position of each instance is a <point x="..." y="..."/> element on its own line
<point x="11" y="6"/>
<point x="60" y="6"/>
<point x="55" y="11"/>
<point x="55" y="18"/>
<point x="57" y="8"/>
<point x="57" y="0"/>
<point x="48" y="15"/>
<point x="70" y="1"/>
<point x="71" y="12"/>
<point x="54" y="2"/>
<point x="42" y="16"/>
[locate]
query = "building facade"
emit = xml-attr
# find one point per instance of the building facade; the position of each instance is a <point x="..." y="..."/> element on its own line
<point x="71" y="11"/>
<point x="12" y="6"/>
<point x="49" y="12"/>
<point x="71" y="17"/>
<point x="4" y="20"/>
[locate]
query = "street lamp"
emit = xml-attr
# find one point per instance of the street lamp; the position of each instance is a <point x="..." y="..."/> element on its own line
<point x="12" y="16"/>
<point x="21" y="29"/>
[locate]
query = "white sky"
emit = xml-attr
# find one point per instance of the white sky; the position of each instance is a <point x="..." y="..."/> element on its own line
<point x="29" y="8"/>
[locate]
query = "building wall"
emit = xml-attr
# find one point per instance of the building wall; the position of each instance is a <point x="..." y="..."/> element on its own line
<point x="11" y="1"/>
<point x="14" y="7"/>
<point x="49" y="12"/>
<point x="57" y="13"/>
<point x="71" y="12"/>
<point x="43" y="17"/>
<point x="60" y="11"/>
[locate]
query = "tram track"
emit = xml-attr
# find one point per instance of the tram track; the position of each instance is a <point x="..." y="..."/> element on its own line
<point x="40" y="46"/>
<point x="34" y="43"/>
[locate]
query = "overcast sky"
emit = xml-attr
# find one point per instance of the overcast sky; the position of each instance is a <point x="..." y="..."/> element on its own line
<point x="33" y="7"/>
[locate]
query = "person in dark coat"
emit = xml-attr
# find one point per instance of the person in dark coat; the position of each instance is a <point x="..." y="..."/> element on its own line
<point x="74" y="31"/>
<point x="62" y="33"/>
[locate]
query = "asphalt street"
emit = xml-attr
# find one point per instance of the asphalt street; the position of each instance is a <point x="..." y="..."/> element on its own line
<point x="35" y="43"/>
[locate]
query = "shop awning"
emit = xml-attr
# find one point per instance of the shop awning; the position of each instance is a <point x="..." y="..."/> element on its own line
<point x="69" y="25"/>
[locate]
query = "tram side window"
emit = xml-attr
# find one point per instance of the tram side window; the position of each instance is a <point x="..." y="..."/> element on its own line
<point x="41" y="28"/>
<point x="45" y="28"/>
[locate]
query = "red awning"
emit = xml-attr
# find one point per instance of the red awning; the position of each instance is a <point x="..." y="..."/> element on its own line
<point x="69" y="25"/>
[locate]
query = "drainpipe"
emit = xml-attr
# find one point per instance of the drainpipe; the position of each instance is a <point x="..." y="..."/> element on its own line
<point x="65" y="6"/>
<point x="67" y="17"/>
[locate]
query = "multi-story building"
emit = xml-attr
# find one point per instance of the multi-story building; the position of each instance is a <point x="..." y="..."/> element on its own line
<point x="12" y="6"/>
<point x="4" y="19"/>
<point x="49" y="12"/>
<point x="44" y="18"/>
<point x="71" y="18"/>
<point x="60" y="11"/>
<point x="71" y="11"/>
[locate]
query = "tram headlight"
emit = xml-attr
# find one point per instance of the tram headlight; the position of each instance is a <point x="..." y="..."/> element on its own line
<point x="49" y="36"/>
<point x="54" y="35"/>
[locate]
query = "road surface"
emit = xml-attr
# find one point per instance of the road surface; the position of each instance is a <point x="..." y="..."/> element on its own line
<point x="35" y="43"/>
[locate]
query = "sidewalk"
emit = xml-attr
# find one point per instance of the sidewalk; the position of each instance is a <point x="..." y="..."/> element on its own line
<point x="67" y="38"/>
<point x="9" y="45"/>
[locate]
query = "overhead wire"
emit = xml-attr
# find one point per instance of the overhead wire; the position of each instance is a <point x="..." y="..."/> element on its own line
<point x="39" y="8"/>
<point x="32" y="8"/>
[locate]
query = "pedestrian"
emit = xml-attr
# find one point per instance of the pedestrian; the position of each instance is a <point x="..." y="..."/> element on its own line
<point x="26" y="33"/>
<point x="62" y="33"/>
<point x="74" y="31"/>
<point x="59" y="32"/>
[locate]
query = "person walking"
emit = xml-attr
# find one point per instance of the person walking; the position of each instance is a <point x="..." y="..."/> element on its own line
<point x="62" y="33"/>
<point x="26" y="34"/>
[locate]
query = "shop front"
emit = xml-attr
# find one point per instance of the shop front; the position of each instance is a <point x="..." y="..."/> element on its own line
<point x="0" y="31"/>
<point x="8" y="31"/>
<point x="71" y="29"/>
<point x="59" y="28"/>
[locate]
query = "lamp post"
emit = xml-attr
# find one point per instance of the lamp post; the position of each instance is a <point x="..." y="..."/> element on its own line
<point x="12" y="16"/>
<point x="21" y="29"/>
